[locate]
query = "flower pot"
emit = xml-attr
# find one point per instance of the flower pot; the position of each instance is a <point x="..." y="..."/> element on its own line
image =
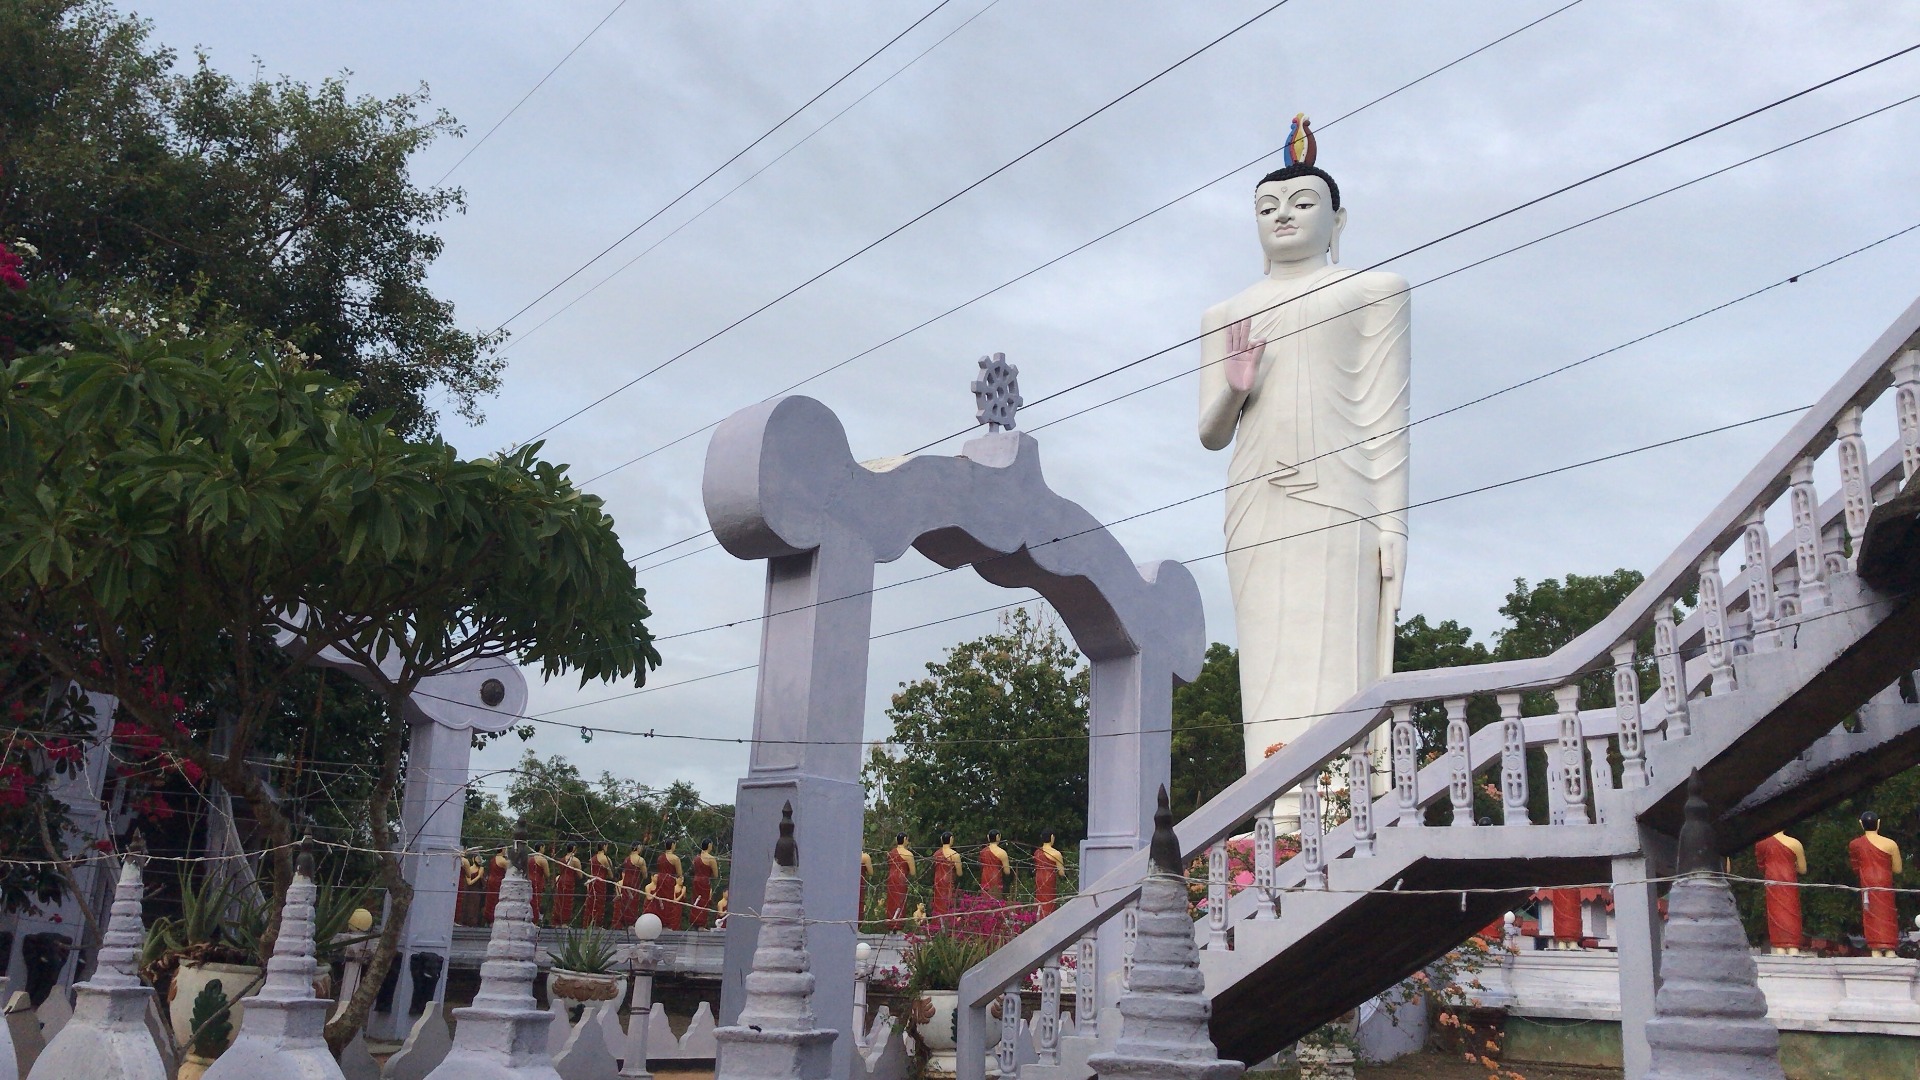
<point x="193" y="1066"/>
<point x="934" y="1019"/>
<point x="236" y="981"/>
<point x="582" y="986"/>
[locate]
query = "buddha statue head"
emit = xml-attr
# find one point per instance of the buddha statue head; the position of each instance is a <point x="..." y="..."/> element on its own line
<point x="1870" y="822"/>
<point x="899" y="839"/>
<point x="706" y="846"/>
<point x="993" y="836"/>
<point x="1297" y="208"/>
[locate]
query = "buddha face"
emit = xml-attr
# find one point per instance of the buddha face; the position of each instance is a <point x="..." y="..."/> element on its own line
<point x="1296" y="219"/>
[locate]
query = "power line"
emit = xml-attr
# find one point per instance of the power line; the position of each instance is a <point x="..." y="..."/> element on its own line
<point x="1420" y="284"/>
<point x="909" y="223"/>
<point x="1236" y="170"/>
<point x="750" y="177"/>
<point x="764" y="136"/>
<point x="530" y="93"/>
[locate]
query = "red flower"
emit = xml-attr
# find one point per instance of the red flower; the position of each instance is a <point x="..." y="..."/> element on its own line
<point x="10" y="264"/>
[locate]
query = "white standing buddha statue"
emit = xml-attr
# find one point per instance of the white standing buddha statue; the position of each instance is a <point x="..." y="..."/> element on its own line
<point x="1306" y="375"/>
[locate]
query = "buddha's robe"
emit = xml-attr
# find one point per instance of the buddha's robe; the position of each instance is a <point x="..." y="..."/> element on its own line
<point x="1780" y="863"/>
<point x="946" y="872"/>
<point x="700" y="896"/>
<point x="899" y="874"/>
<point x="995" y="868"/>
<point x="496" y="873"/>
<point x="1047" y="863"/>
<point x="633" y="883"/>
<point x="1318" y="474"/>
<point x="566" y="886"/>
<point x="537" y="883"/>
<point x="1875" y="866"/>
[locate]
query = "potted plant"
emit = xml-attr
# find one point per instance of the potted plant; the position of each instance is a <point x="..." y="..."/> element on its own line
<point x="936" y="956"/>
<point x="584" y="968"/>
<point x="212" y="1030"/>
<point x="216" y="936"/>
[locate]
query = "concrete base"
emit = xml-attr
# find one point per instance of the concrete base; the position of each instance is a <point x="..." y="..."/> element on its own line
<point x="1805" y="1055"/>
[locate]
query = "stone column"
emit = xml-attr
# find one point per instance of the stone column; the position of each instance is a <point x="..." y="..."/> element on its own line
<point x="503" y="1035"/>
<point x="1710" y="1018"/>
<point x="1164" y="1013"/>
<point x="777" y="1037"/>
<point x="108" y="1039"/>
<point x="281" y="1030"/>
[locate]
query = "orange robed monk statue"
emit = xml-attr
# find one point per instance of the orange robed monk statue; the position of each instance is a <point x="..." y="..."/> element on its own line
<point x="700" y="896"/>
<point x="466" y="910"/>
<point x="496" y="873"/>
<point x="1047" y="864"/>
<point x="537" y="879"/>
<point x="599" y="873"/>
<point x="566" y="882"/>
<point x="665" y="892"/>
<point x="632" y="887"/>
<point x="1568" y="924"/>
<point x="946" y="873"/>
<point x="899" y="874"/>
<point x="1782" y="860"/>
<point x="1876" y="859"/>
<point x="995" y="867"/>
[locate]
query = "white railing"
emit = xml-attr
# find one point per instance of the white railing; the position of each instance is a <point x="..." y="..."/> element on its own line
<point x="1694" y="657"/>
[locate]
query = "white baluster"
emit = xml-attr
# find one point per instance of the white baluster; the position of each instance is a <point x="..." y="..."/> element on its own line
<point x="1599" y="773"/>
<point x="1313" y="854"/>
<point x="1760" y="603"/>
<point x="1573" y="764"/>
<point x="1360" y="795"/>
<point x="1459" y="764"/>
<point x="1046" y="1023"/>
<point x="1217" y="896"/>
<point x="1513" y="762"/>
<point x="1809" y="560"/>
<point x="1129" y="935"/>
<point x="1713" y="622"/>
<point x="1406" y="766"/>
<point x="1857" y="499"/>
<point x="1673" y="667"/>
<point x="1086" y="988"/>
<point x="1263" y="862"/>
<point x="1626" y="707"/>
<point x="1007" y="1053"/>
<point x="1906" y="406"/>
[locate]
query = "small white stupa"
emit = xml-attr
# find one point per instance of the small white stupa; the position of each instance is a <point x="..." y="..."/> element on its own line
<point x="282" y="1030"/>
<point x="1164" y="1012"/>
<point x="107" y="1039"/>
<point x="1709" y="1017"/>
<point x="777" y="1037"/>
<point x="503" y="1035"/>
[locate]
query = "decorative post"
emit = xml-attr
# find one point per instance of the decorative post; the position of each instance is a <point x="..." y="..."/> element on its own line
<point x="1163" y="1017"/>
<point x="1313" y="853"/>
<point x="776" y="1037"/>
<point x="1906" y="406"/>
<point x="1360" y="795"/>
<point x="1007" y="1054"/>
<point x="1856" y="497"/>
<point x="1129" y="930"/>
<point x="1459" y="764"/>
<point x="1673" y="669"/>
<point x="1406" y="766"/>
<point x="1217" y="896"/>
<point x="281" y="1030"/>
<point x="1713" y="623"/>
<point x="1573" y="763"/>
<point x="647" y="954"/>
<point x="1809" y="561"/>
<point x="108" y="1039"/>
<point x="503" y="1029"/>
<point x="1086" y="988"/>
<point x="1263" y="863"/>
<point x="1513" y="762"/>
<point x="1046" y="1023"/>
<point x="1626" y="707"/>
<point x="1761" y="614"/>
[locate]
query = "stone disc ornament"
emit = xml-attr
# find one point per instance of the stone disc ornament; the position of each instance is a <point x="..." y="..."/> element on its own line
<point x="996" y="393"/>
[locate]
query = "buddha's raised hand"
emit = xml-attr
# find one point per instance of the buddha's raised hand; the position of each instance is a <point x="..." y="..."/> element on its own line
<point x="1243" y="356"/>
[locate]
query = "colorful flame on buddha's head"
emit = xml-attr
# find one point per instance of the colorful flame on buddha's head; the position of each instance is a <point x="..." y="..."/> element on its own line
<point x="1301" y="147"/>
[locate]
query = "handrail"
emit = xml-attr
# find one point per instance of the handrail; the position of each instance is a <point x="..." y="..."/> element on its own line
<point x="1329" y="738"/>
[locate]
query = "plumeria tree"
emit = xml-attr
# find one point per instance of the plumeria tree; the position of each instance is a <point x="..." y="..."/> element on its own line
<point x="172" y="497"/>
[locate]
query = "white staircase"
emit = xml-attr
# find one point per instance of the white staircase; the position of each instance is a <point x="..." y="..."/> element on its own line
<point x="1783" y="644"/>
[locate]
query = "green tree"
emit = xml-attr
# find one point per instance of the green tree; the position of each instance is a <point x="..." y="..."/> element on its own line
<point x="1208" y="749"/>
<point x="171" y="498"/>
<point x="288" y="205"/>
<point x="995" y="737"/>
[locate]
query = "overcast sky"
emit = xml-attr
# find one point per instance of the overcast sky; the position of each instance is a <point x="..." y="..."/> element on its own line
<point x="664" y="92"/>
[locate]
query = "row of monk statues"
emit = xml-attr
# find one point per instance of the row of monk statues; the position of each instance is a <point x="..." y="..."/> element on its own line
<point x="569" y="892"/>
<point x="995" y="875"/>
<point x="1874" y="859"/>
